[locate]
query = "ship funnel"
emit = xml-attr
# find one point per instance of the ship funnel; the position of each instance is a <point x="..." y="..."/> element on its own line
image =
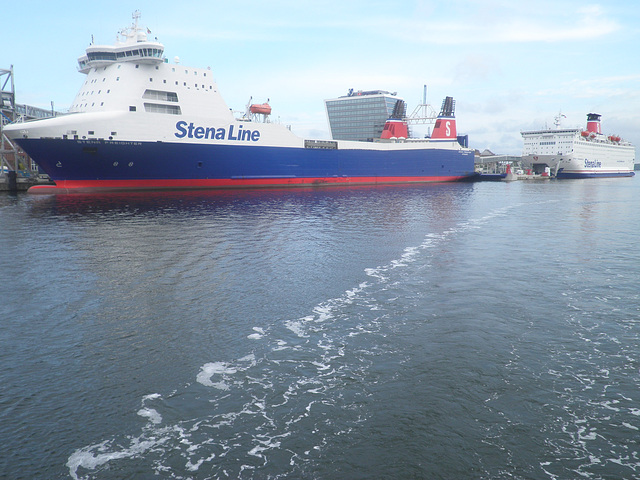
<point x="445" y="126"/>
<point x="593" y="123"/>
<point x="397" y="125"/>
<point x="395" y="128"/>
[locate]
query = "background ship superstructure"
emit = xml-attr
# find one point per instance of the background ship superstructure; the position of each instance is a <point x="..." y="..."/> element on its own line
<point x="578" y="153"/>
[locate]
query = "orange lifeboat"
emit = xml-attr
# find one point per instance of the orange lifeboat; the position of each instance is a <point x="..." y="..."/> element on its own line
<point x="584" y="133"/>
<point x="262" y="108"/>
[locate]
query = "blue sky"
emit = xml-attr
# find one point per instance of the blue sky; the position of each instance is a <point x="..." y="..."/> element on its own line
<point x="510" y="65"/>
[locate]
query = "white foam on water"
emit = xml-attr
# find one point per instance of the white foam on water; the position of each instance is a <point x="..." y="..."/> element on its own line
<point x="150" y="413"/>
<point x="376" y="273"/>
<point x="321" y="366"/>
<point x="251" y="359"/>
<point x="583" y="434"/>
<point x="296" y="326"/>
<point x="193" y="467"/>
<point x="610" y="405"/>
<point x="266" y="443"/>
<point x="322" y="313"/>
<point x="258" y="335"/>
<point x="209" y="370"/>
<point x="280" y="345"/>
<point x="85" y="457"/>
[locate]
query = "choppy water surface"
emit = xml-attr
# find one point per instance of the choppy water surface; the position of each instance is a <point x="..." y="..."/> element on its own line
<point x="484" y="330"/>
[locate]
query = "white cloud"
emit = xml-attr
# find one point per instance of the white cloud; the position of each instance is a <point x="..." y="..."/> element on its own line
<point x="509" y="22"/>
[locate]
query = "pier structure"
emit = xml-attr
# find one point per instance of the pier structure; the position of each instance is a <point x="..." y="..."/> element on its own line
<point x="17" y="170"/>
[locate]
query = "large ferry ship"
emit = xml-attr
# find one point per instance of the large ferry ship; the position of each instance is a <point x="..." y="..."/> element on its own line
<point x="140" y="122"/>
<point x="578" y="153"/>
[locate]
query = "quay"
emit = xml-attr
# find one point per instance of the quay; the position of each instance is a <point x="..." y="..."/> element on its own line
<point x="505" y="168"/>
<point x="11" y="181"/>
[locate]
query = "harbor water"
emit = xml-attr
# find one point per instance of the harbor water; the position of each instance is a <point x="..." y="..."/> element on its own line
<point x="443" y="331"/>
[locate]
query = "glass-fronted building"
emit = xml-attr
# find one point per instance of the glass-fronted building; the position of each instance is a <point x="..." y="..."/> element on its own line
<point x="361" y="115"/>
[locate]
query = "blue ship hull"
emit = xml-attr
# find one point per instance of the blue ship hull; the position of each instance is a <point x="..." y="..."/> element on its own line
<point x="107" y="164"/>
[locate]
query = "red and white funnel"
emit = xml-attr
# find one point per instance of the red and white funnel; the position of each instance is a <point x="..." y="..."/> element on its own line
<point x="445" y="127"/>
<point x="593" y="123"/>
<point x="395" y="128"/>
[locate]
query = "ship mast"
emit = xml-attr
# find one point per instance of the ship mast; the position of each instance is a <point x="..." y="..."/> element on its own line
<point x="558" y="119"/>
<point x="424" y="113"/>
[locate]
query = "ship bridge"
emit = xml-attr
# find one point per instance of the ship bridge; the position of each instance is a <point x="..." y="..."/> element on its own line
<point x="132" y="45"/>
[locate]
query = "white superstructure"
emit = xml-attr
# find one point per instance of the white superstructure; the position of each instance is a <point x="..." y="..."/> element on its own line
<point x="575" y="153"/>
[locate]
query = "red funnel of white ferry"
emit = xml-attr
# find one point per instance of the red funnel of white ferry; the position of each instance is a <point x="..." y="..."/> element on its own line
<point x="395" y="128"/>
<point x="445" y="126"/>
<point x="593" y="123"/>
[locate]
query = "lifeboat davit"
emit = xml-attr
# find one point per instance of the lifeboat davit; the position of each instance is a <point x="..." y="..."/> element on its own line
<point x="262" y="108"/>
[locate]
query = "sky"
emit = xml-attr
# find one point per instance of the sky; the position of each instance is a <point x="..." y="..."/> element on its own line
<point x="510" y="65"/>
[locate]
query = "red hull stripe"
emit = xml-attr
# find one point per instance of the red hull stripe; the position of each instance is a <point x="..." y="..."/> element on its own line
<point x="78" y="185"/>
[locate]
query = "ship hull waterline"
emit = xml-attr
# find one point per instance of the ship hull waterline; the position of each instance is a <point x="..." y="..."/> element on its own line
<point x="563" y="174"/>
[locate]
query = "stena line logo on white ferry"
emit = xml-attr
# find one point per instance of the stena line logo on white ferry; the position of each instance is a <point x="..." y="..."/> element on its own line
<point x="189" y="130"/>
<point x="592" y="164"/>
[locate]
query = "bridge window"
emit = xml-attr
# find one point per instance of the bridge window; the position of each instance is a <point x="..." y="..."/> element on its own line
<point x="110" y="56"/>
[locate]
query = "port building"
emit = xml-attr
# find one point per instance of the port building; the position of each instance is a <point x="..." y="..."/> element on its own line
<point x="361" y="115"/>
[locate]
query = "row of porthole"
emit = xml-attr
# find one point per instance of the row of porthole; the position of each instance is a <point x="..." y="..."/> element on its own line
<point x="115" y="164"/>
<point x="151" y="80"/>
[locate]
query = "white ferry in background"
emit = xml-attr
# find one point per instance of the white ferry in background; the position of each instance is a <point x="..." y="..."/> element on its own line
<point x="139" y="122"/>
<point x="577" y="153"/>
